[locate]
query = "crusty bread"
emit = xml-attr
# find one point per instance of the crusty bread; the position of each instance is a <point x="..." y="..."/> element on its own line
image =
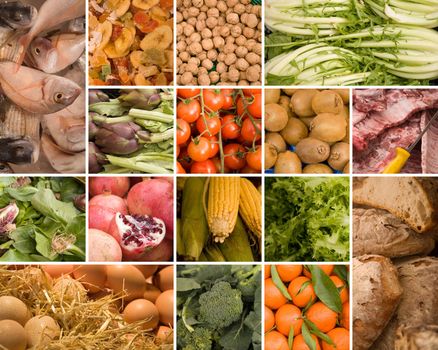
<point x="417" y="338"/>
<point x="377" y="231"/>
<point x="376" y="293"/>
<point x="412" y="199"/>
<point x="419" y="302"/>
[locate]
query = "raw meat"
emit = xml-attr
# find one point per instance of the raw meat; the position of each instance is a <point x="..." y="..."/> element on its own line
<point x="401" y="105"/>
<point x="368" y="100"/>
<point x="429" y="146"/>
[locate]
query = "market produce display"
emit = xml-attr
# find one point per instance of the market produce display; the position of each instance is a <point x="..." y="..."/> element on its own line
<point x="130" y="42"/>
<point x="131" y="131"/>
<point x="74" y="307"/>
<point x="307" y="218"/>
<point x="219" y="131"/>
<point x="395" y="265"/>
<point x="384" y="119"/>
<point x="219" y="42"/>
<point x="42" y="80"/>
<point x="307" y="131"/>
<point x="130" y="219"/>
<point x="219" y="219"/>
<point x="347" y="42"/>
<point x="42" y="219"/>
<point x="219" y="307"/>
<point x="307" y="307"/>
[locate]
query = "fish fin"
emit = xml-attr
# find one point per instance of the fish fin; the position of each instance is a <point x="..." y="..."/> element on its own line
<point x="24" y="42"/>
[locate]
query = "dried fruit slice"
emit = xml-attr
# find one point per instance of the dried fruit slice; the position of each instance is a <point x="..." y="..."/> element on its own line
<point x="160" y="38"/>
<point x="145" y="4"/>
<point x="137" y="234"/>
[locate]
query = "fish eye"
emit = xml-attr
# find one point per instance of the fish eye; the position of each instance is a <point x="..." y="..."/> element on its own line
<point x="37" y="50"/>
<point x="58" y="97"/>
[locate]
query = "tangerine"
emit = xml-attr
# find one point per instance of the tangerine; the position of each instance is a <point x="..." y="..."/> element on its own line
<point x="288" y="316"/>
<point x="267" y="271"/>
<point x="345" y="316"/>
<point x="275" y="341"/>
<point x="269" y="319"/>
<point x="322" y="316"/>
<point x="301" y="296"/>
<point x="340" y="338"/>
<point x="289" y="272"/>
<point x="273" y="297"/>
<point x="342" y="287"/>
<point x="328" y="269"/>
<point x="300" y="344"/>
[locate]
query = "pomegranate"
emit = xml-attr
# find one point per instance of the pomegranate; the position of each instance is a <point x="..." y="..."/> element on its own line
<point x="137" y="234"/>
<point x="103" y="247"/>
<point x="153" y="197"/>
<point x="162" y="252"/>
<point x="100" y="218"/>
<point x="118" y="186"/>
<point x="110" y="201"/>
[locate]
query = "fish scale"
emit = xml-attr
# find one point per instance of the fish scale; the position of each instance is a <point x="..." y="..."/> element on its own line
<point x="10" y="51"/>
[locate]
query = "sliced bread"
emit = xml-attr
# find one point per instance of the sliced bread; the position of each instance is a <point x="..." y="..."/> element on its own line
<point x="412" y="199"/>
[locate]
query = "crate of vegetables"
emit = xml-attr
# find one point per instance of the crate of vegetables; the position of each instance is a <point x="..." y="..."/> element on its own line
<point x="219" y="131"/>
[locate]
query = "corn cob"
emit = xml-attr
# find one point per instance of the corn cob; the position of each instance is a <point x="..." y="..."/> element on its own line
<point x="223" y="206"/>
<point x="250" y="206"/>
<point x="237" y="247"/>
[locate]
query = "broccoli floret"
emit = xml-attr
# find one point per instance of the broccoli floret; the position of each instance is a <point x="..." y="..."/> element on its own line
<point x="221" y="306"/>
<point x="199" y="339"/>
<point x="249" y="280"/>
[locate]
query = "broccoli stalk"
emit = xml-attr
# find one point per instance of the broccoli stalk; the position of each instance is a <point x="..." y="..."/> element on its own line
<point x="248" y="281"/>
<point x="220" y="306"/>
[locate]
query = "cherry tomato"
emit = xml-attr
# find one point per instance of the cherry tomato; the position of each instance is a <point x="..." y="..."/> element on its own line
<point x="248" y="170"/>
<point x="249" y="132"/>
<point x="182" y="131"/>
<point x="228" y="98"/>
<point x="184" y="159"/>
<point x="205" y="167"/>
<point x="213" y="99"/>
<point x="249" y="92"/>
<point x="230" y="129"/>
<point x="240" y="107"/>
<point x="214" y="145"/>
<point x="144" y="23"/>
<point x="217" y="163"/>
<point x="199" y="149"/>
<point x="210" y="126"/>
<point x="179" y="168"/>
<point x="254" y="159"/>
<point x="234" y="156"/>
<point x="188" y="93"/>
<point x="255" y="106"/>
<point x="189" y="110"/>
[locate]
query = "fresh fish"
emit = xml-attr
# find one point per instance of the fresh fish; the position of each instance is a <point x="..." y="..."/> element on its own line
<point x="36" y="91"/>
<point x="19" y="136"/>
<point x="67" y="132"/>
<point x="76" y="25"/>
<point x="5" y="169"/>
<point x="15" y="16"/>
<point x="74" y="72"/>
<point x="54" y="54"/>
<point x="63" y="162"/>
<point x="77" y="108"/>
<point x="51" y="14"/>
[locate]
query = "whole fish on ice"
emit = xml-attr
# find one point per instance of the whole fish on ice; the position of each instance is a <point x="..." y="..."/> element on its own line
<point x="51" y="14"/>
<point x="15" y="16"/>
<point x="36" y="91"/>
<point x="54" y="54"/>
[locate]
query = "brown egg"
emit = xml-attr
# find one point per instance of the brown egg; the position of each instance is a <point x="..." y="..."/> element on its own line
<point x="126" y="278"/>
<point x="93" y="277"/>
<point x="12" y="335"/>
<point x="12" y="308"/>
<point x="164" y="278"/>
<point x="147" y="270"/>
<point x="142" y="309"/>
<point x="58" y="270"/>
<point x="41" y="330"/>
<point x="165" y="335"/>
<point x="68" y="290"/>
<point x="151" y="293"/>
<point x="164" y="304"/>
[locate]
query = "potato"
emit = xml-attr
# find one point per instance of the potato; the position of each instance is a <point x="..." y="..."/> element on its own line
<point x="288" y="163"/>
<point x="327" y="101"/>
<point x="328" y="127"/>
<point x="345" y="112"/>
<point x="289" y="92"/>
<point x="312" y="150"/>
<point x="345" y="95"/>
<point x="317" y="169"/>
<point x="346" y="169"/>
<point x="272" y="96"/>
<point x="339" y="155"/>
<point x="307" y="121"/>
<point x="294" y="131"/>
<point x="301" y="102"/>
<point x="275" y="139"/>
<point x="270" y="155"/>
<point x="275" y="117"/>
<point x="284" y="101"/>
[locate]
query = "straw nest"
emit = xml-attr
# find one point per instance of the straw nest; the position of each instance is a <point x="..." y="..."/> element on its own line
<point x="86" y="323"/>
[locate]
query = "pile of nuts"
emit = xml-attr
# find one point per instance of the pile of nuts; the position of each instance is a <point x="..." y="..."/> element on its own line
<point x="218" y="42"/>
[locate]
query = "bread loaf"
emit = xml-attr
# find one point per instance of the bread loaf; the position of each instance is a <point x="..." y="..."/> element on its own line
<point x="376" y="293"/>
<point x="412" y="199"/>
